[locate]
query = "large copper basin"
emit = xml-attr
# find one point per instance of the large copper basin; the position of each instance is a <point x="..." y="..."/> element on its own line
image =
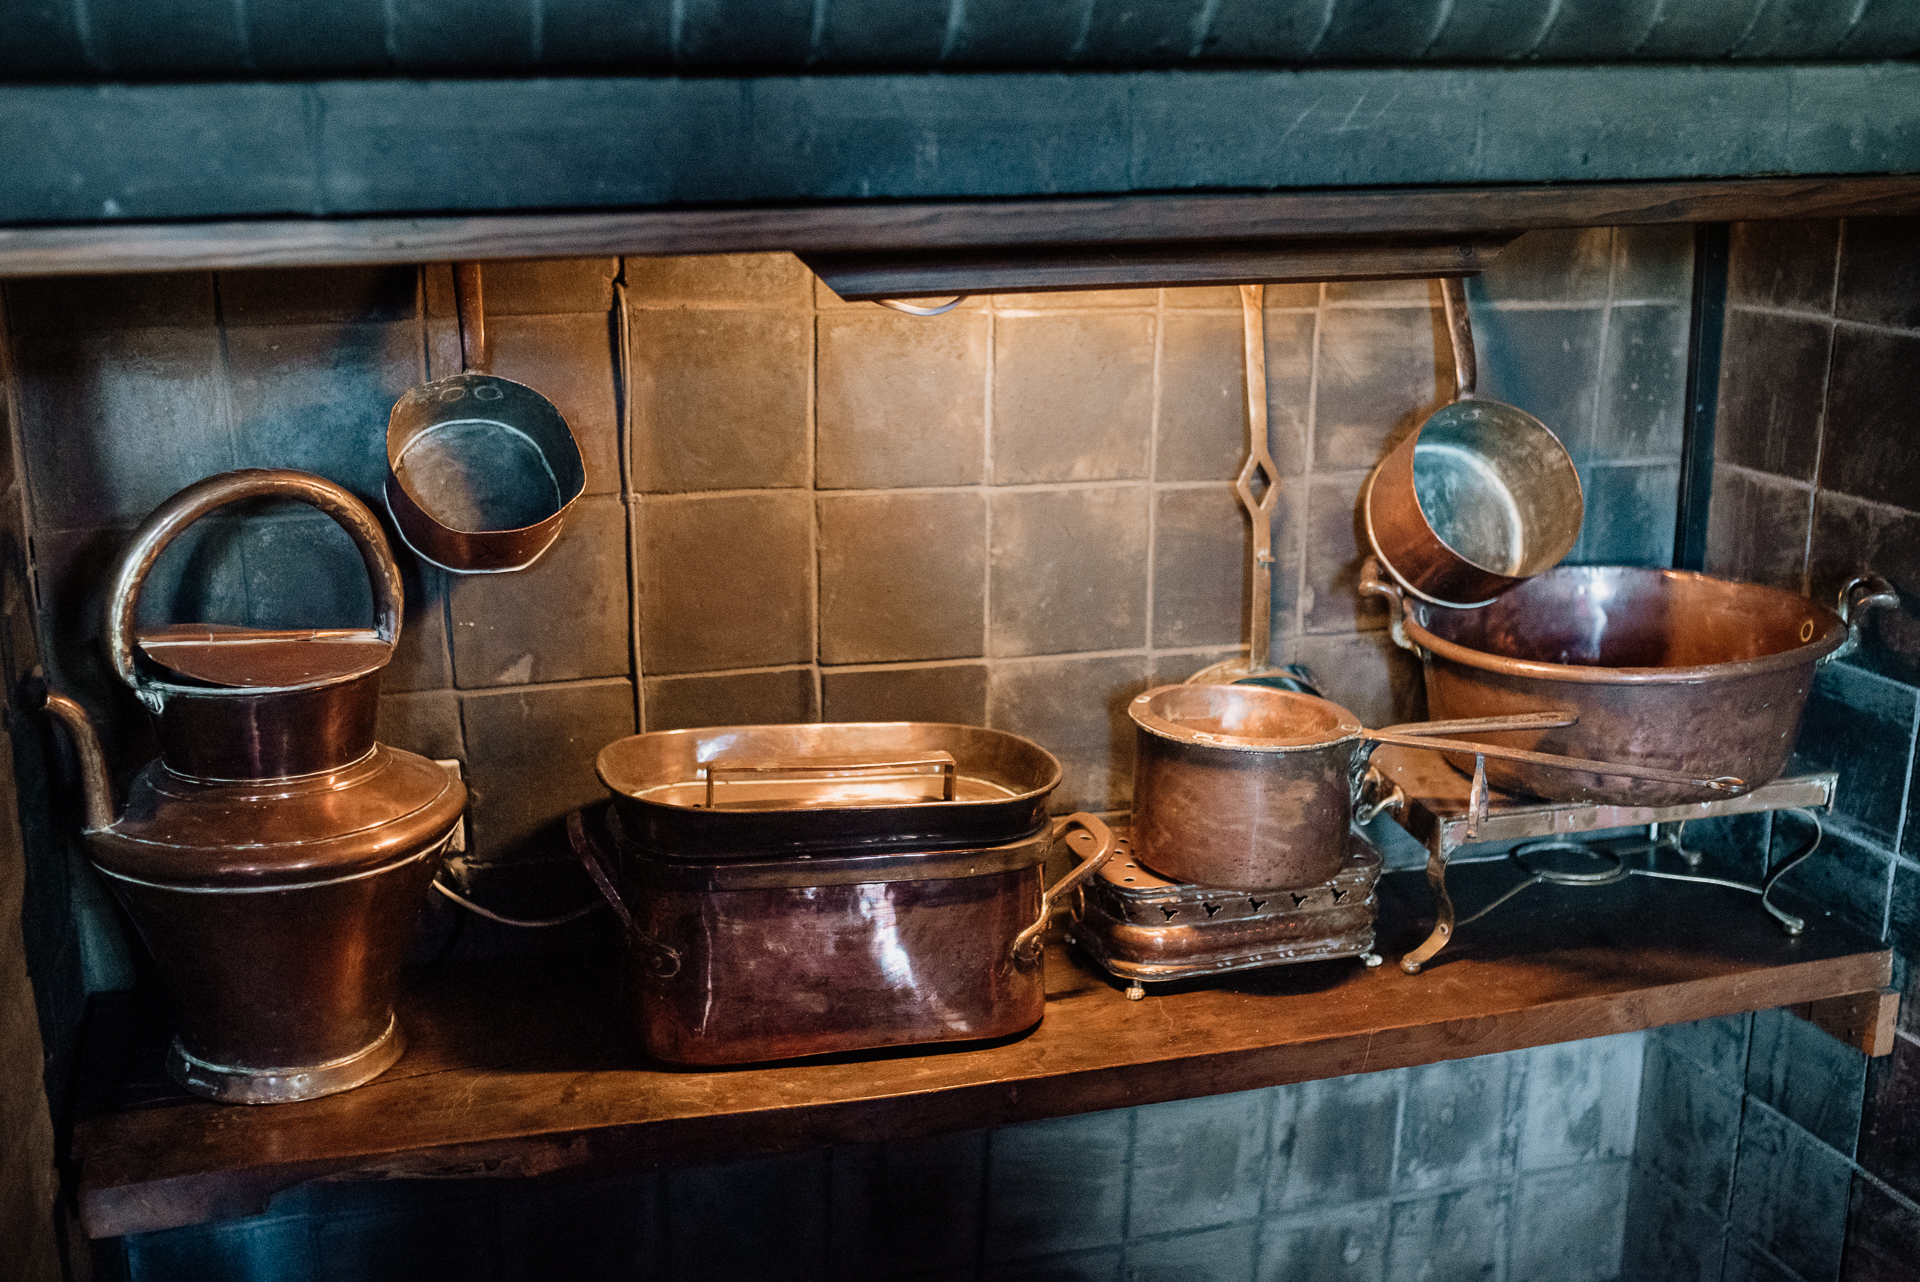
<point x="1662" y="667"/>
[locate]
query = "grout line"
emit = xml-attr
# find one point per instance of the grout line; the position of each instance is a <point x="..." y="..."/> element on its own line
<point x="1906" y="800"/>
<point x="1153" y="467"/>
<point x="986" y="475"/>
<point x="1820" y="423"/>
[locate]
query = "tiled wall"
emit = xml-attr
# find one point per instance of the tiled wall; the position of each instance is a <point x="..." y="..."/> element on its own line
<point x="1018" y="514"/>
<point x="1768" y="1149"/>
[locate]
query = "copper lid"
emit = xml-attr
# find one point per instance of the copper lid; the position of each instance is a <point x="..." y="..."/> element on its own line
<point x="218" y="654"/>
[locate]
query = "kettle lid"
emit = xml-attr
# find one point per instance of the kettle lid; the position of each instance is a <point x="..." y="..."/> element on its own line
<point x="226" y="656"/>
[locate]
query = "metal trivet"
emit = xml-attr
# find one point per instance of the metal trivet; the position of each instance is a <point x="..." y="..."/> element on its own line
<point x="1444" y="811"/>
<point x="1142" y="927"/>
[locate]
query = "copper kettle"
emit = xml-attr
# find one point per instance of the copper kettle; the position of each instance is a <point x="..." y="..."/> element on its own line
<point x="274" y="858"/>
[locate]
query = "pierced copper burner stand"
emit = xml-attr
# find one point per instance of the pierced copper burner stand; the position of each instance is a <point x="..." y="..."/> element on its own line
<point x="1142" y="927"/>
<point x="1444" y="811"/>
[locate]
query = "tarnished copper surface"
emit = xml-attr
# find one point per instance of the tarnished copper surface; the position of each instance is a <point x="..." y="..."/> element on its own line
<point x="1000" y="785"/>
<point x="275" y="857"/>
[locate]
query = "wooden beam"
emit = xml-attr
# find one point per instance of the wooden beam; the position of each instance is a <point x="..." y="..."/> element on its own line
<point x="1118" y="221"/>
<point x="1864" y="1021"/>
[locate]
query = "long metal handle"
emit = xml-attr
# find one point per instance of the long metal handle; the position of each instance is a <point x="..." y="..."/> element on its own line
<point x="1026" y="944"/>
<point x="1486" y="725"/>
<point x="1726" y="783"/>
<point x="1259" y="465"/>
<point x="913" y="765"/>
<point x="166" y="522"/>
<point x="662" y="962"/>
<point x="468" y="302"/>
<point x="1466" y="370"/>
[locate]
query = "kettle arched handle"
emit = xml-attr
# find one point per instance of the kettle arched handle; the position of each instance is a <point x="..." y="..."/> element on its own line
<point x="165" y="523"/>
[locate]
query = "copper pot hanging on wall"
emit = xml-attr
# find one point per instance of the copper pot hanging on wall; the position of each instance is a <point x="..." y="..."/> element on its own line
<point x="275" y="857"/>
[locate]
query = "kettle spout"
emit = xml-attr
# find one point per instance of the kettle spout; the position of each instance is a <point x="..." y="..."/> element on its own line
<point x="93" y="762"/>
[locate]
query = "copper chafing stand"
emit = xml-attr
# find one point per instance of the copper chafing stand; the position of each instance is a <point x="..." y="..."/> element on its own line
<point x="1145" y="928"/>
<point x="1444" y="810"/>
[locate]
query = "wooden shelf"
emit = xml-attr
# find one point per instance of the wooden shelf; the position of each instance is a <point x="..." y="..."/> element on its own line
<point x="519" y="1069"/>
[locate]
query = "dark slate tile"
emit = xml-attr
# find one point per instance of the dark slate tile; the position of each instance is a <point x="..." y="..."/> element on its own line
<point x="1643" y="383"/>
<point x="609" y="1229"/>
<point x="1198" y="1163"/>
<point x="1731" y="846"/>
<point x="1689" y="1127"/>
<point x="423" y="660"/>
<point x="1773" y="384"/>
<point x="1890" y="1123"/>
<point x="183" y="299"/>
<point x="46" y="43"/>
<point x="902" y="400"/>
<point x="955" y="692"/>
<point x="1201" y="549"/>
<point x="549" y="286"/>
<point x="1381" y="374"/>
<point x="1209" y="1255"/>
<point x="1333" y="1141"/>
<point x="703" y="609"/>
<point x="78" y="391"/>
<point x="1631" y="514"/>
<point x="1747" y="1263"/>
<point x="530" y="760"/>
<point x="303" y="571"/>
<point x="720" y="280"/>
<point x="1880" y="272"/>
<point x="1339" y="1244"/>
<point x="1548" y="364"/>
<point x="902" y="576"/>
<point x="1072" y="397"/>
<point x="291" y="38"/>
<point x="1883" y="1235"/>
<point x="1845" y="879"/>
<point x="1670" y="1237"/>
<point x="1789" y="1194"/>
<point x="1808" y="1075"/>
<point x="1570" y="1225"/>
<point x="427" y="722"/>
<point x="1365" y="673"/>
<point x="1203" y="401"/>
<point x="493" y="33"/>
<point x="712" y="37"/>
<point x="1076" y="709"/>
<point x="1171" y="669"/>
<point x="1335" y="541"/>
<point x="563" y="618"/>
<point x="1066" y="570"/>
<point x="248" y="1250"/>
<point x="317" y="398"/>
<point x="451" y="1242"/>
<point x="1560" y="266"/>
<point x="1861" y="725"/>
<point x="1454" y="1128"/>
<point x="200" y="37"/>
<point x="880" y="33"/>
<point x="1870" y="450"/>
<point x="1451" y="1237"/>
<point x="1057" y="1186"/>
<point x="1785" y="265"/>
<point x="906" y="1207"/>
<point x="568" y="360"/>
<point x="1582" y="1102"/>
<point x="616" y="34"/>
<point x="778" y="697"/>
<point x="319" y="295"/>
<point x="1653" y="262"/>
<point x="1075" y="1266"/>
<point x="755" y="1220"/>
<point x="1903" y="930"/>
<point x="719" y="399"/>
<point x="1584" y="33"/>
<point x="1851" y="537"/>
<point x="1757" y="528"/>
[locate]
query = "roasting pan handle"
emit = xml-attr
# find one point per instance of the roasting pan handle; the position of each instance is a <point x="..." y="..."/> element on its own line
<point x="906" y="766"/>
<point x="662" y="962"/>
<point x="1027" y="944"/>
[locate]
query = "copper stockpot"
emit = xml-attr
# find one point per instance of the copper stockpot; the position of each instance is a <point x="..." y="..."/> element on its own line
<point x="733" y="961"/>
<point x="275" y="857"/>
<point x="1250" y="788"/>
<point x="1663" y="668"/>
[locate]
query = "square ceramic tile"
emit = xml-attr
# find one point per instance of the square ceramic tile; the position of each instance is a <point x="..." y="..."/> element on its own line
<point x="1670" y="1237"/>
<point x="1808" y="1075"/>
<point x="530" y="756"/>
<point x="1333" y="1141"/>
<point x="1198" y="1162"/>
<point x="426" y="722"/>
<point x="568" y="360"/>
<point x="1335" y="539"/>
<point x="1067" y="570"/>
<point x="953" y="692"/>
<point x="1632" y="509"/>
<point x="704" y="607"/>
<point x="1339" y="1244"/>
<point x="1547" y="363"/>
<point x="1789" y="1194"/>
<point x="1057" y="1186"/>
<point x="1846" y="880"/>
<point x="1773" y="382"/>
<point x="1072" y="397"/>
<point x="902" y="400"/>
<point x="1883" y="1235"/>
<point x="1851" y="537"/>
<point x="1075" y="708"/>
<point x="1889" y="1139"/>
<point x="1209" y="1255"/>
<point x="1784" y="265"/>
<point x="777" y="697"/>
<point x="719" y="399"/>
<point x="563" y="618"/>
<point x="1570" y="266"/>
<point x="1757" y="528"/>
<point x="1582" y="1101"/>
<point x="725" y="280"/>
<point x="1460" y="1234"/>
<point x="1570" y="1224"/>
<point x="1073" y="1266"/>
<point x="1203" y="398"/>
<point x="1454" y="1128"/>
<point x="423" y="660"/>
<point x="1689" y="1127"/>
<point x="1643" y="383"/>
<point x="319" y="295"/>
<point x="548" y="286"/>
<point x="906" y="1207"/>
<point x="1867" y="452"/>
<point x="902" y="576"/>
<point x="1382" y="371"/>
<point x="1653" y="263"/>
<point x="1365" y="673"/>
<point x="1201" y="550"/>
<point x="1861" y="725"/>
<point x="1880" y="272"/>
<point x="1404" y="293"/>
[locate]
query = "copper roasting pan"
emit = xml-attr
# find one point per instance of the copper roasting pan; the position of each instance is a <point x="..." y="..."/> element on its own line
<point x="745" y="792"/>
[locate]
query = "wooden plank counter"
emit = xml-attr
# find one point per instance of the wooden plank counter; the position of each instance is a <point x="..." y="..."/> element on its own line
<point x="520" y="1069"/>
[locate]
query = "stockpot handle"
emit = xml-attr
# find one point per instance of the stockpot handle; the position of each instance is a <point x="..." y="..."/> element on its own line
<point x="1027" y="944"/>
<point x="1861" y="593"/>
<point x="1374" y="583"/>
<point x="165" y="523"/>
<point x="662" y="962"/>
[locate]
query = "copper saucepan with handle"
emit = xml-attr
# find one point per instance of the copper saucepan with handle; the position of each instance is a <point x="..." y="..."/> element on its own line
<point x="1252" y="788"/>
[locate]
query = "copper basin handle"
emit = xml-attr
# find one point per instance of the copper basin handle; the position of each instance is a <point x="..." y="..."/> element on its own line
<point x="1374" y="583"/>
<point x="1863" y="592"/>
<point x="1725" y="783"/>
<point x="1026" y="944"/>
<point x="165" y="523"/>
<point x="662" y="962"/>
